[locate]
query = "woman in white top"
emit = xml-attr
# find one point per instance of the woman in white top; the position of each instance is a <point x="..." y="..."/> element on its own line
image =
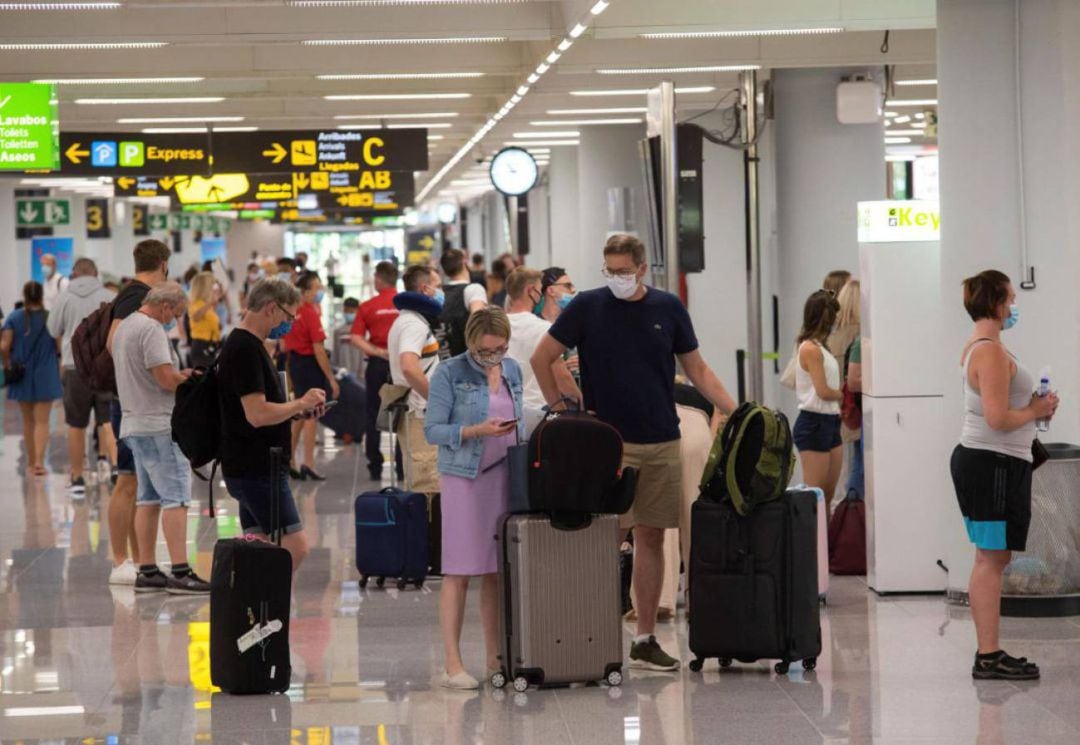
<point x="991" y="467"/>
<point x="817" y="384"/>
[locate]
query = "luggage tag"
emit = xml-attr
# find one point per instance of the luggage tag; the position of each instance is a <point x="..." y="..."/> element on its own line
<point x="258" y="634"/>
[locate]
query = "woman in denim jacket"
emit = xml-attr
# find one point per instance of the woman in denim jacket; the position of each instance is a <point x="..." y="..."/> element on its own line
<point x="474" y="415"/>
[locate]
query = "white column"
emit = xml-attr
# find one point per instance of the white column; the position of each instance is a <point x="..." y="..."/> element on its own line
<point x="563" y="191"/>
<point x="17" y="266"/>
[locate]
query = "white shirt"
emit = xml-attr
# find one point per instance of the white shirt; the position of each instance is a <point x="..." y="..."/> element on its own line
<point x="53" y="286"/>
<point x="411" y="333"/>
<point x="526" y="331"/>
<point x="473" y="293"/>
<point x="809" y="400"/>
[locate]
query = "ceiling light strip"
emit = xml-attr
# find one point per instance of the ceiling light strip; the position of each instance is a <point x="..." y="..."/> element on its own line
<point x="119" y="81"/>
<point x="81" y="46"/>
<point x="599" y="7"/>
<point x="139" y="101"/>
<point x="928" y="81"/>
<point x="739" y="33"/>
<point x="194" y="130"/>
<point x="912" y="102"/>
<point x="673" y="70"/>
<point x="401" y="3"/>
<point x="583" y="122"/>
<point x="404" y="42"/>
<point x="574" y="134"/>
<point x="178" y="119"/>
<point x="616" y="110"/>
<point x="546" y="143"/>
<point x="402" y="76"/>
<point x="61" y="6"/>
<point x="446" y="114"/>
<point x="641" y="91"/>
<point x="395" y="96"/>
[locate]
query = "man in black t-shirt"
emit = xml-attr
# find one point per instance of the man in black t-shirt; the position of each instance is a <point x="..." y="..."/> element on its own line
<point x="151" y="268"/>
<point x="256" y="416"/>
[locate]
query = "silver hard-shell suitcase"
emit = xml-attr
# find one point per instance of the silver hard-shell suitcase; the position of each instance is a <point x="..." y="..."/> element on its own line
<point x="561" y="622"/>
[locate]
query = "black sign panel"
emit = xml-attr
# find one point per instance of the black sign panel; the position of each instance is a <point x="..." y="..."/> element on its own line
<point x="97" y="218"/>
<point x="326" y="150"/>
<point x="378" y="201"/>
<point x="331" y="217"/>
<point x="132" y="154"/>
<point x="139" y="221"/>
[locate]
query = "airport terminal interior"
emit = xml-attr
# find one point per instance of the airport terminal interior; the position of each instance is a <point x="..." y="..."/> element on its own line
<point x="752" y="148"/>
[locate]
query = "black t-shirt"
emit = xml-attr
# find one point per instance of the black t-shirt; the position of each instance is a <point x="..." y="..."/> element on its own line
<point x="244" y="368"/>
<point x="627" y="352"/>
<point x="129" y="299"/>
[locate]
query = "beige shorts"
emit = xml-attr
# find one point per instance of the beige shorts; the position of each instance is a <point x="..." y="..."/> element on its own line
<point x="421" y="459"/>
<point x="659" y="485"/>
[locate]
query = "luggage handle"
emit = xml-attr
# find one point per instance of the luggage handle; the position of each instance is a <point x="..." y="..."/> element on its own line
<point x="276" y="459"/>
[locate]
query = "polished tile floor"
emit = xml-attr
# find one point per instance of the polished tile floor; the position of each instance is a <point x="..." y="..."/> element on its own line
<point x="85" y="663"/>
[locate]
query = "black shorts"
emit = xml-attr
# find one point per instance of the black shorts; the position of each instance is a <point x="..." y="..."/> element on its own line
<point x="305" y="374"/>
<point x="125" y="461"/>
<point x="994" y="491"/>
<point x="816" y="433"/>
<point x="256" y="507"/>
<point x="80" y="400"/>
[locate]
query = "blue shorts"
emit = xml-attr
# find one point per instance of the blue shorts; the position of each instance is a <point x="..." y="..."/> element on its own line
<point x="163" y="472"/>
<point x="255" y="506"/>
<point x="125" y="463"/>
<point x="816" y="433"/>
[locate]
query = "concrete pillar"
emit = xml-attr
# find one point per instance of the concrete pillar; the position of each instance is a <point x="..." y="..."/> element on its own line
<point x="983" y="214"/>
<point x="564" y="207"/>
<point x="823" y="168"/>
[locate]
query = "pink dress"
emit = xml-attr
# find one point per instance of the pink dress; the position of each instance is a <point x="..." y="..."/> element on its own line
<point x="473" y="508"/>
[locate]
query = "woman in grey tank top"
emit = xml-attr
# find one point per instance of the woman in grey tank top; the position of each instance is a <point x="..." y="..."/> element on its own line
<point x="991" y="467"/>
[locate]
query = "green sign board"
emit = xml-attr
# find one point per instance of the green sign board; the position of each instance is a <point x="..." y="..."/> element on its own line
<point x="42" y="212"/>
<point x="170" y="221"/>
<point x="29" y="127"/>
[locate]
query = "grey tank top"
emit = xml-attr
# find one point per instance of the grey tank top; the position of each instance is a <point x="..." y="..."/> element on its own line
<point x="977" y="434"/>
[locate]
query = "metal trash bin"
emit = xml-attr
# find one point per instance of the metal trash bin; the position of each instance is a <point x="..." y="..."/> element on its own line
<point x="1045" y="579"/>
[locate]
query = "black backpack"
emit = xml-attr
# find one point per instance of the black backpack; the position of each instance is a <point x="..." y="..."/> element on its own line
<point x="454" y="317"/>
<point x="196" y="422"/>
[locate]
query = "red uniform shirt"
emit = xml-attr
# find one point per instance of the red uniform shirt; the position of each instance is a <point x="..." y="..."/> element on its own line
<point x="306" y="332"/>
<point x="375" y="317"/>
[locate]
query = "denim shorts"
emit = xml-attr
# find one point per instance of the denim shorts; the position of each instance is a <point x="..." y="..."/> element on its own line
<point x="255" y="505"/>
<point x="816" y="433"/>
<point x="125" y="464"/>
<point x="163" y="472"/>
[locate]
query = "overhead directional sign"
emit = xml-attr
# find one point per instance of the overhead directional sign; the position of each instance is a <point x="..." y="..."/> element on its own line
<point x="360" y="187"/>
<point x="328" y="150"/>
<point x="97" y="218"/>
<point x="366" y="200"/>
<point x="164" y="222"/>
<point x="42" y="212"/>
<point x="29" y="127"/>
<point x="129" y="154"/>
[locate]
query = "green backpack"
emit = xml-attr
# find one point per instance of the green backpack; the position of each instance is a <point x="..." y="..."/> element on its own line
<point x="751" y="461"/>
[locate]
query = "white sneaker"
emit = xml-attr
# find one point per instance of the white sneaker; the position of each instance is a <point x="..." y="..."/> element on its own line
<point x="124" y="574"/>
<point x="460" y="682"/>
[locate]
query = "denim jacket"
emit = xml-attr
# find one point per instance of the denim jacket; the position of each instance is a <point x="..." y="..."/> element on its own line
<point x="459" y="396"/>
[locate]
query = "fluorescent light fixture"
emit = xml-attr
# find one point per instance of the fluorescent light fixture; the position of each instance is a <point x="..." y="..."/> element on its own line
<point x="578" y="30"/>
<point x="436" y="137"/>
<point x="890" y="114"/>
<point x="617" y="110"/>
<point x="902" y="119"/>
<point x="403" y="42"/>
<point x="43" y="711"/>
<point x="428" y="125"/>
<point x="903" y="132"/>
<point x="582" y="122"/>
<point x="641" y="91"/>
<point x="119" y="81"/>
<point x="565" y="44"/>
<point x="547" y="143"/>
<point x="899" y="158"/>
<point x="193" y="130"/>
<point x="438" y="115"/>
<point x="918" y="125"/>
<point x="667" y="70"/>
<point x="522" y="90"/>
<point x="381" y="3"/>
<point x="135" y="101"/>
<point x="929" y="81"/>
<point x="815" y="31"/>
<point x="552" y="58"/>
<point x="396" y="96"/>
<point x="897" y="140"/>
<point x="402" y="76"/>
<point x="537" y="150"/>
<point x="532" y="78"/>
<point x="599" y="8"/>
<point x="80" y="45"/>
<point x="920" y="115"/>
<point x="61" y="6"/>
<point x="178" y="119"/>
<point x="541" y="135"/>
<point x="542" y="68"/>
<point x="912" y="102"/>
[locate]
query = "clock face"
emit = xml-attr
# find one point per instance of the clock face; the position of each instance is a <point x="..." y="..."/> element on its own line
<point x="513" y="171"/>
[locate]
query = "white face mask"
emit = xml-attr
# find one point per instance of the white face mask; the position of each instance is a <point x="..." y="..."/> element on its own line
<point x="623" y="287"/>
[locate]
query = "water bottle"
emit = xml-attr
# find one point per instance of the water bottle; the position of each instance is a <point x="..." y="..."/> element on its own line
<point x="1044" y="388"/>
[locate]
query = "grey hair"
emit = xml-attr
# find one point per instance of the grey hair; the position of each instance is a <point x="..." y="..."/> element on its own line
<point x="84" y="267"/>
<point x="167" y="293"/>
<point x="272" y="290"/>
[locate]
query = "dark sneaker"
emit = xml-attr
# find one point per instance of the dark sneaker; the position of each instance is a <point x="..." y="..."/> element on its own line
<point x="1001" y="666"/>
<point x="77" y="487"/>
<point x="189" y="584"/>
<point x="156" y="582"/>
<point x="649" y="656"/>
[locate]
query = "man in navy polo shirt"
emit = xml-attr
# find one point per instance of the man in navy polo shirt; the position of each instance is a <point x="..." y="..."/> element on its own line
<point x="628" y="336"/>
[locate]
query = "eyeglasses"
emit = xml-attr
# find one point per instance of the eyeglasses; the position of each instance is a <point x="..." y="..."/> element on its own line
<point x="621" y="273"/>
<point x="567" y="285"/>
<point x="288" y="315"/>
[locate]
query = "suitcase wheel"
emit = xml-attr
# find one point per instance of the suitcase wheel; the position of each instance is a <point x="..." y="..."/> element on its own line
<point x="725" y="662"/>
<point x="498" y="680"/>
<point x="419" y="584"/>
<point x="380" y="582"/>
<point x="810" y="663"/>
<point x="695" y="665"/>
<point x="614" y="678"/>
<point x="401" y="584"/>
<point x="782" y="667"/>
<point x="363" y="582"/>
<point x="521" y="684"/>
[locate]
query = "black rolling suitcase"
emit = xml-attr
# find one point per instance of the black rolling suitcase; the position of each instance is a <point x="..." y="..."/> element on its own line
<point x="250" y="596"/>
<point x="753" y="582"/>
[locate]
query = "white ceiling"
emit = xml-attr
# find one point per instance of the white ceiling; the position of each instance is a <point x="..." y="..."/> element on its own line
<point x="252" y="54"/>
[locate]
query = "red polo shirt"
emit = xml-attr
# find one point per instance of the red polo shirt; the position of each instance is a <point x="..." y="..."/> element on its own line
<point x="375" y="318"/>
<point x="306" y="332"/>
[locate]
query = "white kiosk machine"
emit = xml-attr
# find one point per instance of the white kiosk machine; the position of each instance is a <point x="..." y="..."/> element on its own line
<point x="906" y="456"/>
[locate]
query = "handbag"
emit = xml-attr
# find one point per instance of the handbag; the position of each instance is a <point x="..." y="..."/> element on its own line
<point x="393" y="399"/>
<point x="1039" y="454"/>
<point x="16" y="371"/>
<point x="787" y="378"/>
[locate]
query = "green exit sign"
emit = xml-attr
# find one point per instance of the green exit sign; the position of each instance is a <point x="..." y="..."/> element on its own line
<point x="42" y="212"/>
<point x="29" y="127"/>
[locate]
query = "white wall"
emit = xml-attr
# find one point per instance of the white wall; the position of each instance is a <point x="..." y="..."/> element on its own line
<point x="564" y="206"/>
<point x="539" y="234"/>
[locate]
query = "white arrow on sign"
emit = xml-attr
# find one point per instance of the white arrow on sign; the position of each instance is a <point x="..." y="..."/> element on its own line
<point x="28" y="213"/>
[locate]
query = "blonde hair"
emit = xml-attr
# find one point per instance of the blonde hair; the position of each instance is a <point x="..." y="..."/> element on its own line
<point x="489" y="320"/>
<point x="518" y="281"/>
<point x="849" y="305"/>
<point x="202" y="287"/>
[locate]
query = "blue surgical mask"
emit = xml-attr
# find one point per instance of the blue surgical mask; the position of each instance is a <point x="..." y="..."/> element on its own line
<point x="280" y="330"/>
<point x="1014" y="317"/>
<point x="564" y="301"/>
<point x="319" y="296"/>
<point x="349" y="318"/>
<point x="170" y="325"/>
<point x="439" y="297"/>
